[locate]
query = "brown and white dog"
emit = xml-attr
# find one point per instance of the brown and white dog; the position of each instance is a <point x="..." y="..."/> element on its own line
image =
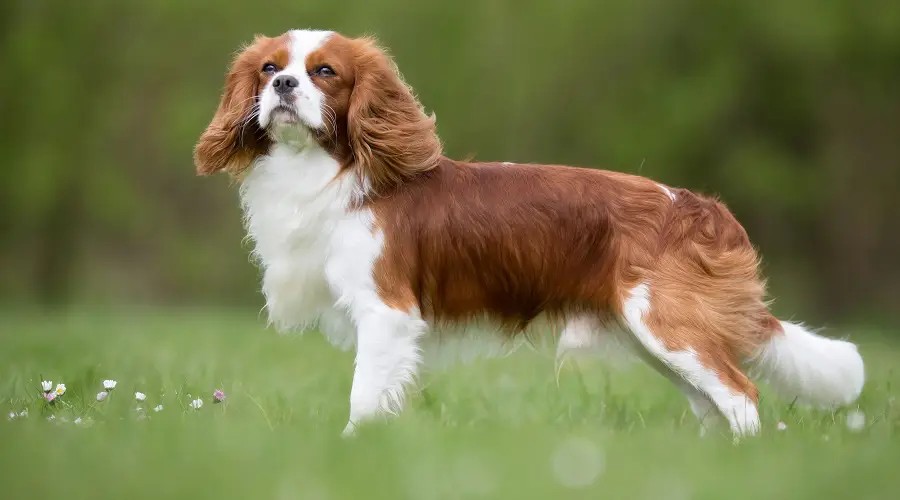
<point x="367" y="233"/>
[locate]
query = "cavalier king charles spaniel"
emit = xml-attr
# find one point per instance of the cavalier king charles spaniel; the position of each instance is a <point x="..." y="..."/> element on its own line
<point x="367" y="233"/>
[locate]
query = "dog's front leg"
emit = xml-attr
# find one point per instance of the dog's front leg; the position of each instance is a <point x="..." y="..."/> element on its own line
<point x="387" y="360"/>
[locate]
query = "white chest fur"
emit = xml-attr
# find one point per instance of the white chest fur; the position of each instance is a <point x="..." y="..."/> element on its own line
<point x="296" y="213"/>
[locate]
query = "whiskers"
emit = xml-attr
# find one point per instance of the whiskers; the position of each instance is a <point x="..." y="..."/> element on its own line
<point x="250" y="131"/>
<point x="247" y="120"/>
<point x="330" y="118"/>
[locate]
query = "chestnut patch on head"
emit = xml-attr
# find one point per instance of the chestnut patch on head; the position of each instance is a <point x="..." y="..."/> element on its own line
<point x="233" y="138"/>
<point x="374" y="125"/>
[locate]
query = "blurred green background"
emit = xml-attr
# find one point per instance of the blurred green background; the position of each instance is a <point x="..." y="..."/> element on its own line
<point x="789" y="110"/>
<point x="116" y="261"/>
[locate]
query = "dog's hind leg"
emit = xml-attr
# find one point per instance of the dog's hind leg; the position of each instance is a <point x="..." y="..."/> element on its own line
<point x="705" y="371"/>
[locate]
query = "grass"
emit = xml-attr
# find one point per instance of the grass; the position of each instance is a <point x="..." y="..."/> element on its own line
<point x="491" y="429"/>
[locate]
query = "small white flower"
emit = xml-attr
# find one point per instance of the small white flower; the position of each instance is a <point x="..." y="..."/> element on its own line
<point x="47" y="386"/>
<point x="158" y="408"/>
<point x="23" y="414"/>
<point x="856" y="420"/>
<point x="109" y="384"/>
<point x="78" y="421"/>
<point x="781" y="426"/>
<point x="140" y="396"/>
<point x="197" y="403"/>
<point x="60" y="389"/>
<point x="12" y="415"/>
<point x="102" y="395"/>
<point x="138" y="409"/>
<point x="51" y="418"/>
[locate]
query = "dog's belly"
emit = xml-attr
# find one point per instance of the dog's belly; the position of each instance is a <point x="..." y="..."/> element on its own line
<point x="446" y="345"/>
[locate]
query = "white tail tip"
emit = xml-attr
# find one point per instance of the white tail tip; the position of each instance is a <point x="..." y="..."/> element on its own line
<point x="814" y="370"/>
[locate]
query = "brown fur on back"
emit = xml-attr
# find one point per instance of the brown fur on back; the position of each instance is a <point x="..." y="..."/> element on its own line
<point x="514" y="241"/>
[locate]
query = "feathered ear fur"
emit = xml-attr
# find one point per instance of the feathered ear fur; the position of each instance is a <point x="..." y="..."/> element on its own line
<point x="391" y="138"/>
<point x="233" y="138"/>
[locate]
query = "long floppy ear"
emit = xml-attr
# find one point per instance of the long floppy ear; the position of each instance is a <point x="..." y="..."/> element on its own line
<point x="391" y="138"/>
<point x="233" y="138"/>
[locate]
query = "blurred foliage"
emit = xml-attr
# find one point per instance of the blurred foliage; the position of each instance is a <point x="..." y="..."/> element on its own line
<point x="790" y="111"/>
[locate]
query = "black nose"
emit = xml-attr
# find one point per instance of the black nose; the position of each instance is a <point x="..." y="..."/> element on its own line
<point x="284" y="84"/>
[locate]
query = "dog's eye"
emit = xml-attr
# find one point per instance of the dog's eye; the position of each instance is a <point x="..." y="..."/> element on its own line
<point x="269" y="69"/>
<point x="323" y="70"/>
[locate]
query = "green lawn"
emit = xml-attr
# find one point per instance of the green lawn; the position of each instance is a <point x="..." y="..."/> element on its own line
<point x="492" y="429"/>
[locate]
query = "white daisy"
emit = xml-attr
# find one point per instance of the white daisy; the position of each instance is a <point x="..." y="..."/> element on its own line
<point x="109" y="384"/>
<point x="60" y="389"/>
<point x="102" y="395"/>
<point x="197" y="403"/>
<point x="47" y="385"/>
<point x="140" y="396"/>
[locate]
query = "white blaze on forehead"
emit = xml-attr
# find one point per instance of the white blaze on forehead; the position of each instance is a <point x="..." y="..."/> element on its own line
<point x="308" y="99"/>
<point x="304" y="42"/>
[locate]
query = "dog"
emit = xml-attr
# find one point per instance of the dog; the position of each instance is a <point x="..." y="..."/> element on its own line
<point x="368" y="233"/>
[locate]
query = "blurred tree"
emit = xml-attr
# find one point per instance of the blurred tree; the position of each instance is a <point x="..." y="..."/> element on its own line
<point x="788" y="110"/>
